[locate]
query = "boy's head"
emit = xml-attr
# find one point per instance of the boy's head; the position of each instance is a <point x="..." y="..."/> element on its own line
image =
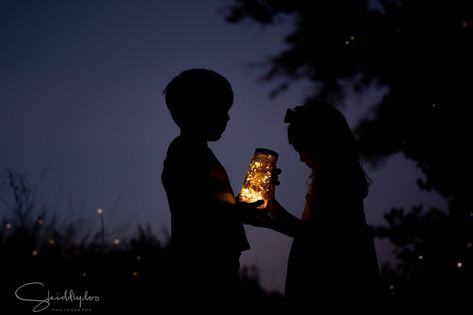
<point x="199" y="101"/>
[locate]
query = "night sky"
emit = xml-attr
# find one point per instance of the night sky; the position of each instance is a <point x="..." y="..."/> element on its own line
<point x="81" y="97"/>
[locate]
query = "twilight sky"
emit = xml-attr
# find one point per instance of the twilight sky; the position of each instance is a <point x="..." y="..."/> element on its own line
<point x="81" y="95"/>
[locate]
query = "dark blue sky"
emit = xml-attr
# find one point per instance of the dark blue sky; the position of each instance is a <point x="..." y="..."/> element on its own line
<point x="81" y="95"/>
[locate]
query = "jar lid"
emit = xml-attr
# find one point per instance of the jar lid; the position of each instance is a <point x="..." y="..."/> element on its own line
<point x="267" y="152"/>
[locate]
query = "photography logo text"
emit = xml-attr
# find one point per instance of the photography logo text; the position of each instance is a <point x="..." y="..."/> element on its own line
<point x="42" y="298"/>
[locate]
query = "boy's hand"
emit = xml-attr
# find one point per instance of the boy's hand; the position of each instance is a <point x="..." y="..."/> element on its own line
<point x="249" y="211"/>
<point x="254" y="216"/>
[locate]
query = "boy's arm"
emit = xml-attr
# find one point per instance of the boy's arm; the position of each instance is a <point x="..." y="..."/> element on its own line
<point x="245" y="212"/>
<point x="277" y="218"/>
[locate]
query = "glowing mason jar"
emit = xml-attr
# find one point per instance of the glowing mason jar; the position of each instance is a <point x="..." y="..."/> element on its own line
<point x="258" y="183"/>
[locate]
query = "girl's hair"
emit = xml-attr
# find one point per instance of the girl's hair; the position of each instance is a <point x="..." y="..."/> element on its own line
<point x="321" y="131"/>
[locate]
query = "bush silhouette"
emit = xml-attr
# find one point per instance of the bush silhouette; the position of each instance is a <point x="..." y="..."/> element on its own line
<point x="129" y="275"/>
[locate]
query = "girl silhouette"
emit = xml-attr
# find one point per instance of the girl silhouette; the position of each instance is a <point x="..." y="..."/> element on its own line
<point x="332" y="258"/>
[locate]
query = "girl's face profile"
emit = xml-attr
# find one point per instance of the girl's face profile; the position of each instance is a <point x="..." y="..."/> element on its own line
<point x="306" y="158"/>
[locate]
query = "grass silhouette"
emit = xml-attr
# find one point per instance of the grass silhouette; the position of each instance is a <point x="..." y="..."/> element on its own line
<point x="69" y="258"/>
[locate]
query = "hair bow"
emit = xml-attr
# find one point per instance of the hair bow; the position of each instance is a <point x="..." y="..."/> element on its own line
<point x="290" y="116"/>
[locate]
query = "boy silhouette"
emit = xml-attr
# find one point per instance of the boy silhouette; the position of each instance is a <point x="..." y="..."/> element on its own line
<point x="207" y="235"/>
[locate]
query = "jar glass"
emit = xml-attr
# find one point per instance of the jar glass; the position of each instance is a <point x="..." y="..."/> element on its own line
<point x="259" y="183"/>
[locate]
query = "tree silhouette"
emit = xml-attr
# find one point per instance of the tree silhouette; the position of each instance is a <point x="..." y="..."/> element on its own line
<point x="421" y="53"/>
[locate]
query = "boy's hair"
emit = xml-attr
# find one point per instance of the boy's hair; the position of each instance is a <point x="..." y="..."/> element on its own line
<point x="195" y="92"/>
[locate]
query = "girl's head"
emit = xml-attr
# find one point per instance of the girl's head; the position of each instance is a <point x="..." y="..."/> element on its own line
<point x="322" y="137"/>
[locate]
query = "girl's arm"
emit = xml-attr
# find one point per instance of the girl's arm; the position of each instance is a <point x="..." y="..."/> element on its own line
<point x="279" y="219"/>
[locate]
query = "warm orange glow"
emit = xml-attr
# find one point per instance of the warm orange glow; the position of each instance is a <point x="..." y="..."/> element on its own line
<point x="258" y="183"/>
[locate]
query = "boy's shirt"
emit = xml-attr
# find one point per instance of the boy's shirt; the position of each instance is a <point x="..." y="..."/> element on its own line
<point x="199" y="195"/>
